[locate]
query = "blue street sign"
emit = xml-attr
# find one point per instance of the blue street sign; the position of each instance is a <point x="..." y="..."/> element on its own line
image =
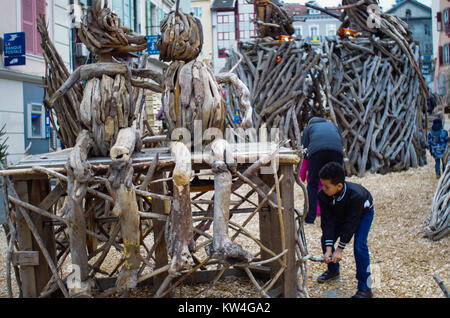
<point x="151" y="44"/>
<point x="14" y="60"/>
<point x="14" y="44"/>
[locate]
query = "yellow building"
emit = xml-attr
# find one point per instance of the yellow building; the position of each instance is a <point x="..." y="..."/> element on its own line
<point x="202" y="10"/>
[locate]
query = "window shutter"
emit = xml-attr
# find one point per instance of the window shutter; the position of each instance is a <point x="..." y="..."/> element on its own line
<point x="441" y="55"/>
<point x="439" y="21"/>
<point x="148" y="17"/>
<point x="447" y="23"/>
<point x="40" y="9"/>
<point x="28" y="25"/>
<point x="31" y="9"/>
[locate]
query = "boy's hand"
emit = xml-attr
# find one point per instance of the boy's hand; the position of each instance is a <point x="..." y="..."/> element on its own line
<point x="327" y="256"/>
<point x="337" y="255"/>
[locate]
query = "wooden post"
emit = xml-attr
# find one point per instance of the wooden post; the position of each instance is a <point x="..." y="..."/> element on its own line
<point x="78" y="173"/>
<point x="287" y="189"/>
<point x="161" y="258"/>
<point x="24" y="237"/>
<point x="38" y="193"/>
<point x="269" y="228"/>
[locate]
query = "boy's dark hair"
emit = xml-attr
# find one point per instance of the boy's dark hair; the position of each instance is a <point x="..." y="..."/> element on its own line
<point x="334" y="172"/>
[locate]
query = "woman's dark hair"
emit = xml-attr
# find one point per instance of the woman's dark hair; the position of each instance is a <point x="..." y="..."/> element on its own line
<point x="334" y="172"/>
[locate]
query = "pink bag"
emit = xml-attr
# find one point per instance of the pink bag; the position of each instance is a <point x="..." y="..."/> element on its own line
<point x="304" y="176"/>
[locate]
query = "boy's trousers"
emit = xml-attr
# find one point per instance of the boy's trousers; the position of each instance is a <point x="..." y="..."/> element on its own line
<point x="360" y="250"/>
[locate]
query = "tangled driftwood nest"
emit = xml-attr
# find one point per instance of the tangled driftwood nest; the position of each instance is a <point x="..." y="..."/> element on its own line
<point x="284" y="82"/>
<point x="439" y="222"/>
<point x="378" y="104"/>
<point x="377" y="91"/>
<point x="369" y="85"/>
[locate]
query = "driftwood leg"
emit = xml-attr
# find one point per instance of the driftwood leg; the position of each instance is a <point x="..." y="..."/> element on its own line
<point x="125" y="206"/>
<point x="179" y="231"/>
<point x="78" y="173"/>
<point x="222" y="247"/>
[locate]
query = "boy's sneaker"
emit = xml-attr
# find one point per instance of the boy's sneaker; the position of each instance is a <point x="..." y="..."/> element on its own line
<point x="328" y="276"/>
<point x="309" y="219"/>
<point x="363" y="294"/>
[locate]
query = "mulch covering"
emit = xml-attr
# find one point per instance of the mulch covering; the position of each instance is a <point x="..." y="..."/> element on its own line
<point x="403" y="260"/>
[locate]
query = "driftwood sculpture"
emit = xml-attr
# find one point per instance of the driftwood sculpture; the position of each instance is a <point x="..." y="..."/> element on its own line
<point x="110" y="116"/>
<point x="285" y="84"/>
<point x="65" y="110"/>
<point x="192" y="95"/>
<point x="439" y="222"/>
<point x="376" y="91"/>
<point x="368" y="83"/>
<point x="272" y="20"/>
<point x="100" y="203"/>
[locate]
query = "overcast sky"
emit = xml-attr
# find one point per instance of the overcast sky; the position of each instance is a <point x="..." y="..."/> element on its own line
<point x="385" y="4"/>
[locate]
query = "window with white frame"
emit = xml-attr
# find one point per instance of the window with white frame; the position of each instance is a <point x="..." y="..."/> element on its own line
<point x="246" y="27"/>
<point x="446" y="54"/>
<point x="331" y="29"/>
<point x="197" y="12"/>
<point x="314" y="30"/>
<point x="298" y="29"/>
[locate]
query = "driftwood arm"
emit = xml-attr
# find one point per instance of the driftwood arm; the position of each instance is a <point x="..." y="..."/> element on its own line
<point x="87" y="72"/>
<point x="244" y="96"/>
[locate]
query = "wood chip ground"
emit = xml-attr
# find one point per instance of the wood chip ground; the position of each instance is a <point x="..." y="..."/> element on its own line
<point x="403" y="261"/>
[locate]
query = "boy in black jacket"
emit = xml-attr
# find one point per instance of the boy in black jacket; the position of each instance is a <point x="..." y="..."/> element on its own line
<point x="346" y="210"/>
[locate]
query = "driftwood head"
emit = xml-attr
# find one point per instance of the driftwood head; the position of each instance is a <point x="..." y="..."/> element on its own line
<point x="181" y="37"/>
<point x="102" y="33"/>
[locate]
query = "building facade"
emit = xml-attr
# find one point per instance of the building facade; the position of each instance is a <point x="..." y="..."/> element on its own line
<point x="21" y="87"/>
<point x="312" y="24"/>
<point x="418" y="16"/>
<point x="201" y="9"/>
<point x="231" y="23"/>
<point x="441" y="39"/>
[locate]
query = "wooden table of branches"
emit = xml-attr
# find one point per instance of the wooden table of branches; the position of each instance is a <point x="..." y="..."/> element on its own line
<point x="39" y="244"/>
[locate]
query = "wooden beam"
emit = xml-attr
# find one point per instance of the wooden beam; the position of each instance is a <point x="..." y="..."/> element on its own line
<point x="287" y="188"/>
<point x="25" y="258"/>
<point x="25" y="240"/>
<point x="161" y="258"/>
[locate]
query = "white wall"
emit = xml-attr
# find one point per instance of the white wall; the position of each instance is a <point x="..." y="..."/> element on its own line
<point x="60" y="13"/>
<point x="11" y="113"/>
<point x="434" y="10"/>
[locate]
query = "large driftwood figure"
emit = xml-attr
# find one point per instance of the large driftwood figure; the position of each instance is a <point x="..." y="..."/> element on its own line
<point x="110" y="117"/>
<point x="191" y="93"/>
